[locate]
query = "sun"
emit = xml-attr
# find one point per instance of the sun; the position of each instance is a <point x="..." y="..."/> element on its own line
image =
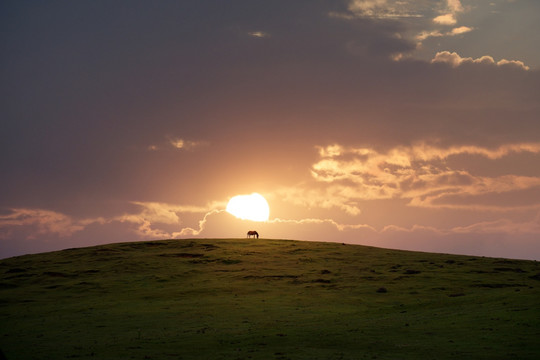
<point x="252" y="207"/>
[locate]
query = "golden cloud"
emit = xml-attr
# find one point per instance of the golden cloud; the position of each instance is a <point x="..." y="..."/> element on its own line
<point x="378" y="9"/>
<point x="455" y="60"/>
<point x="418" y="173"/>
<point x="183" y="144"/>
<point x="446" y="19"/>
<point x="258" y="34"/>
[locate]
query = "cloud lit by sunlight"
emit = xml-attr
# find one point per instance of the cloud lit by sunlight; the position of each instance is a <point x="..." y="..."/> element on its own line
<point x="446" y="19"/>
<point x="455" y="60"/>
<point x="41" y="221"/>
<point x="418" y="173"/>
<point x="449" y="17"/>
<point x="183" y="144"/>
<point x="382" y="9"/>
<point x="258" y="34"/>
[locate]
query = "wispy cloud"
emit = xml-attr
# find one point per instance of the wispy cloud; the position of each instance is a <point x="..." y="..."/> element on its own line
<point x="183" y="144"/>
<point x="382" y="9"/>
<point x="36" y="222"/>
<point x="323" y="198"/>
<point x="419" y="173"/>
<point x="153" y="215"/>
<point x="259" y="34"/>
<point x="149" y="222"/>
<point x="310" y="221"/>
<point x="178" y="143"/>
<point x="502" y="226"/>
<point x="436" y="33"/>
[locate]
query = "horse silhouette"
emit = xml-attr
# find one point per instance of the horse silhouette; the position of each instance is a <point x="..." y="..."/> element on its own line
<point x="252" y="233"/>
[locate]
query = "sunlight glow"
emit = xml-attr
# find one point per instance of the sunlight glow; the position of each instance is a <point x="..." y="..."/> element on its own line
<point x="249" y="207"/>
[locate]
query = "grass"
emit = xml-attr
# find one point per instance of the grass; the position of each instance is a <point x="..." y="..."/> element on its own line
<point x="266" y="299"/>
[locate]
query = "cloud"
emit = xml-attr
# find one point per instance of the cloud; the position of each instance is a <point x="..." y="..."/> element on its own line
<point x="460" y="30"/>
<point x="310" y="221"/>
<point x="152" y="221"/>
<point x="381" y="9"/>
<point x="178" y="144"/>
<point x="502" y="226"/>
<point x="455" y="60"/>
<point x="183" y="144"/>
<point x="487" y="238"/>
<point x="233" y="113"/>
<point x="477" y="237"/>
<point x="435" y="33"/>
<point x="149" y="228"/>
<point x="368" y="7"/>
<point x="327" y="198"/>
<point x="36" y="222"/>
<point x="449" y="17"/>
<point x="258" y="34"/>
<point x="152" y="217"/>
<point x="412" y="18"/>
<point x="446" y="19"/>
<point x="515" y="63"/>
<point x="455" y="6"/>
<point x="419" y="173"/>
<point x="498" y="238"/>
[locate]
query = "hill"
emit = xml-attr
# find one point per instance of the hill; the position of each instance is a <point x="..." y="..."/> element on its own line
<point x="266" y="299"/>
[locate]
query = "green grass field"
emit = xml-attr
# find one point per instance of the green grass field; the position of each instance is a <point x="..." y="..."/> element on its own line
<point x="266" y="299"/>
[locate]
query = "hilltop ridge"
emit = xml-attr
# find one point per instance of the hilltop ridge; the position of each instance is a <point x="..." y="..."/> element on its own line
<point x="266" y="299"/>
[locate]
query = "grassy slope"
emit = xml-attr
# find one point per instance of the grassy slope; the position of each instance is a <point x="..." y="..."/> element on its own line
<point x="266" y="299"/>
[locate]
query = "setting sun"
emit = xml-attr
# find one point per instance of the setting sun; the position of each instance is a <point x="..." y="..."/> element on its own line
<point x="249" y="207"/>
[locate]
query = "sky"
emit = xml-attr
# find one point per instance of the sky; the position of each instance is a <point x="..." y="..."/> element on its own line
<point x="398" y="124"/>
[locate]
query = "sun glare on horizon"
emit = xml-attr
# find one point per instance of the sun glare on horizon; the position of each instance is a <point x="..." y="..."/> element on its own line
<point x="252" y="207"/>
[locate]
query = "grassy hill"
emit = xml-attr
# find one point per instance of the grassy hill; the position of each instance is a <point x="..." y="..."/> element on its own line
<point x="266" y="299"/>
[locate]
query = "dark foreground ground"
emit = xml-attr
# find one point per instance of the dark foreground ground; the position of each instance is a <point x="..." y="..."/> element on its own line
<point x="266" y="299"/>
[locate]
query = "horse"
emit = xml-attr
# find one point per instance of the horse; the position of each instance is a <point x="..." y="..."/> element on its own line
<point x="252" y="233"/>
